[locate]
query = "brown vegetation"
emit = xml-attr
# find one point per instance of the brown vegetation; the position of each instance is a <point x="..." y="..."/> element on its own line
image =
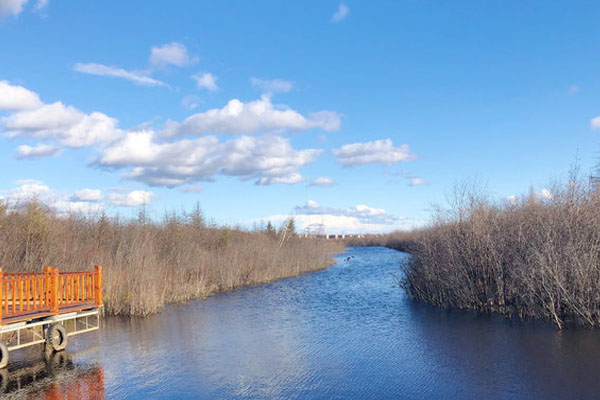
<point x="531" y="257"/>
<point x="146" y="264"/>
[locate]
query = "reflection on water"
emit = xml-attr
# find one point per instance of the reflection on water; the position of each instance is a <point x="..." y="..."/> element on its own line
<point x="56" y="377"/>
<point x="345" y="332"/>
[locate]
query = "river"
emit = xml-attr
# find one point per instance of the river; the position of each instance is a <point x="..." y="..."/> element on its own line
<point x="347" y="332"/>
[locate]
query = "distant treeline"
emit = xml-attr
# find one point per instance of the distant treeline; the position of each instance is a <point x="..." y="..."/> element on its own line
<point x="537" y="256"/>
<point x="149" y="264"/>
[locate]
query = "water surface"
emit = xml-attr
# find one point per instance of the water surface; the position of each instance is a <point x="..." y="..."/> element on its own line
<point x="347" y="332"/>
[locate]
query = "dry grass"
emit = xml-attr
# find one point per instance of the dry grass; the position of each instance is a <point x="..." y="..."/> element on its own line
<point x="147" y="265"/>
<point x="532" y="257"/>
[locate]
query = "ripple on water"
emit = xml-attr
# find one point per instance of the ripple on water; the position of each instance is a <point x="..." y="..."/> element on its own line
<point x="344" y="332"/>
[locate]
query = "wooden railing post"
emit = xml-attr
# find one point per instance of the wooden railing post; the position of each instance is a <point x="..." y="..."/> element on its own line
<point x="54" y="290"/>
<point x="98" y="286"/>
<point x="48" y="285"/>
<point x="1" y="294"/>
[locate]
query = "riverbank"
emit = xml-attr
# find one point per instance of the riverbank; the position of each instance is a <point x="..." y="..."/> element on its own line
<point x="536" y="256"/>
<point x="150" y="264"/>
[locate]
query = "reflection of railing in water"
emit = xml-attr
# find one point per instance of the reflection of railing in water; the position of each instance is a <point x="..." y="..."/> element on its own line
<point x="56" y="378"/>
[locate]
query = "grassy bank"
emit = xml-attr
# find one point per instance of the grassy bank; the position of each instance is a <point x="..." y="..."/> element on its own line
<point x="531" y="257"/>
<point x="148" y="264"/>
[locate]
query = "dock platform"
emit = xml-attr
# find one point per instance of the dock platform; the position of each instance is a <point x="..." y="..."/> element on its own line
<point x="47" y="307"/>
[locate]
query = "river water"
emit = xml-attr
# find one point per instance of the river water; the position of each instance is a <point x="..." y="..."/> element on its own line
<point x="347" y="332"/>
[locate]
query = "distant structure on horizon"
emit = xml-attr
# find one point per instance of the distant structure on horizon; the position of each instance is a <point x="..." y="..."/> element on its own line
<point x="334" y="236"/>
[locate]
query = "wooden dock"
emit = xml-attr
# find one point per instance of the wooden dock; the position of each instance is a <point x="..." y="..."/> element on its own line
<point x="47" y="307"/>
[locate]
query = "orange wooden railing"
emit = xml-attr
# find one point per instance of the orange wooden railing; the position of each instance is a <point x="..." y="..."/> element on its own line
<point x="23" y="294"/>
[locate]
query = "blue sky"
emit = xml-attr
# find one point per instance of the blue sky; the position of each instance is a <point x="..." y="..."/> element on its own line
<point x="358" y="115"/>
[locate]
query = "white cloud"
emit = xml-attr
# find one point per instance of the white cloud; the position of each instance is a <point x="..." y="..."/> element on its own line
<point x="40" y="4"/>
<point x="341" y="13"/>
<point x="41" y="150"/>
<point x="192" y="189"/>
<point x="147" y="156"/>
<point x="11" y="7"/>
<point x="91" y="195"/>
<point x="288" y="179"/>
<point x="15" y="98"/>
<point x="416" y="181"/>
<point x="161" y="56"/>
<point x="376" y="152"/>
<point x="595" y="123"/>
<point x="66" y="124"/>
<point x="272" y="85"/>
<point x="322" y="181"/>
<point x="206" y="81"/>
<point x="546" y="194"/>
<point x="190" y="102"/>
<point x="140" y="78"/>
<point x="254" y="116"/>
<point x="171" y="54"/>
<point x="132" y="199"/>
<point x="315" y="218"/>
<point x="66" y="207"/>
<point x="29" y="190"/>
<point x="269" y="159"/>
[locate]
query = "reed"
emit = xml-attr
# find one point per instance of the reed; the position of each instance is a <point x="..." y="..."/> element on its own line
<point x="149" y="264"/>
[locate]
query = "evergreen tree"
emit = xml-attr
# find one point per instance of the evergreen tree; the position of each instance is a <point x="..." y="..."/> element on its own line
<point x="270" y="229"/>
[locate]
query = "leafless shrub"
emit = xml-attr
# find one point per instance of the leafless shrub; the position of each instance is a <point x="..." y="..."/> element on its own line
<point x="530" y="257"/>
<point x="146" y="264"/>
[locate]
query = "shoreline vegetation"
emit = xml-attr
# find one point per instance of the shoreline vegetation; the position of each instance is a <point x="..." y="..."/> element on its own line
<point x="531" y="257"/>
<point x="147" y="264"/>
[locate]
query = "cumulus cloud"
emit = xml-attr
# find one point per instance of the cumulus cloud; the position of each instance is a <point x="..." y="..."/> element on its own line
<point x="361" y="212"/>
<point x="15" y="98"/>
<point x="137" y="77"/>
<point x="135" y="198"/>
<point x="66" y="124"/>
<point x="595" y="123"/>
<point x="269" y="159"/>
<point x="314" y="218"/>
<point x="41" y="150"/>
<point x="322" y="181"/>
<point x="66" y="207"/>
<point x="512" y="199"/>
<point x="341" y="13"/>
<point x="91" y="195"/>
<point x="29" y="190"/>
<point x="147" y="156"/>
<point x="15" y="7"/>
<point x="376" y="152"/>
<point x="171" y="54"/>
<point x="11" y="7"/>
<point x="206" y="81"/>
<point x="546" y="194"/>
<point x="272" y="85"/>
<point x="258" y="115"/>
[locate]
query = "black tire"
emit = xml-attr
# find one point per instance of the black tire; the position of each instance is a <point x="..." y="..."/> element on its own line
<point x="3" y="355"/>
<point x="56" y="337"/>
